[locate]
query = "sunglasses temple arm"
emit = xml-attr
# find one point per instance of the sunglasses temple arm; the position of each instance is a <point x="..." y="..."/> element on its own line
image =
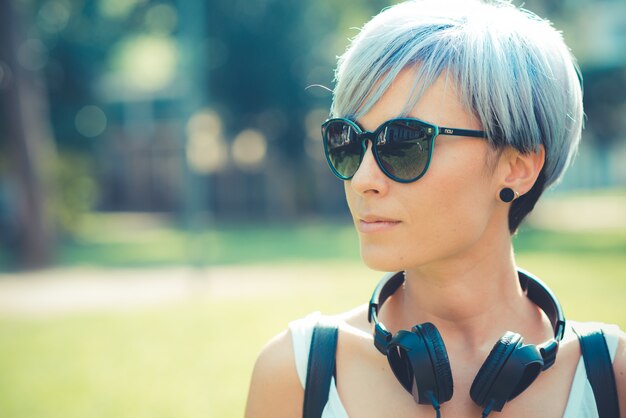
<point x="462" y="132"/>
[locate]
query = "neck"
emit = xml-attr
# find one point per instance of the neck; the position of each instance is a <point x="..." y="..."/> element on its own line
<point x="472" y="297"/>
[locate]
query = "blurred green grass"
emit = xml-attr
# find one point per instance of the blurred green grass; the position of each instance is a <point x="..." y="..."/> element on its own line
<point x="118" y="241"/>
<point x="194" y="358"/>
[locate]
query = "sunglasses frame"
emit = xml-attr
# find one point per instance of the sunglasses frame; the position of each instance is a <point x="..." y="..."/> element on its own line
<point x="373" y="137"/>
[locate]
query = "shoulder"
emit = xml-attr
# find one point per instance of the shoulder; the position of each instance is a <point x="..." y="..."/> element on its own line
<point x="616" y="342"/>
<point x="275" y="390"/>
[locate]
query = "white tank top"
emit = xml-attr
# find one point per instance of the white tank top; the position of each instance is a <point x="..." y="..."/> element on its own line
<point x="580" y="404"/>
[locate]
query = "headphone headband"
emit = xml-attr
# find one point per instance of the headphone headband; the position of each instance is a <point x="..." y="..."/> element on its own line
<point x="536" y="290"/>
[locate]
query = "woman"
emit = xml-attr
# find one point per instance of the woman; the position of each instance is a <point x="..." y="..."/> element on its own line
<point x="498" y="92"/>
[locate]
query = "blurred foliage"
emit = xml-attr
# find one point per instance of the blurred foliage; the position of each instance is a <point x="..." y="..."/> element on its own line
<point x="259" y="56"/>
<point x="263" y="55"/>
<point x="605" y="104"/>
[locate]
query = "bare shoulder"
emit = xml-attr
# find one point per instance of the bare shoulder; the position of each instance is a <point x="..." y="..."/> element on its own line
<point x="275" y="389"/>
<point x="355" y="319"/>
<point x="619" y="369"/>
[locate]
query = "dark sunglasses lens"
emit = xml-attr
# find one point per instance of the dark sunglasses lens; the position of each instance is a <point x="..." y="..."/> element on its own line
<point x="404" y="149"/>
<point x="342" y="148"/>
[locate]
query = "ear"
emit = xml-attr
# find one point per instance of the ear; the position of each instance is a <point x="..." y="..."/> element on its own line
<point x="520" y="171"/>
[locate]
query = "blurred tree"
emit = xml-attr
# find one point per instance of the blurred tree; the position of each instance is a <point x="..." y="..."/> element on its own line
<point x="262" y="56"/>
<point x="250" y="64"/>
<point x="30" y="145"/>
<point x="605" y="103"/>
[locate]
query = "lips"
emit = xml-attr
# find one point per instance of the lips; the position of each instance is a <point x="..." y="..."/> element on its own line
<point x="374" y="223"/>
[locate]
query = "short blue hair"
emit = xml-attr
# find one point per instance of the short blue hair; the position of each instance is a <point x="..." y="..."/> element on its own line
<point x="511" y="68"/>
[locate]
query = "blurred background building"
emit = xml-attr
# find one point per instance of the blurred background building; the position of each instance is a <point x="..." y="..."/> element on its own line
<point x="208" y="112"/>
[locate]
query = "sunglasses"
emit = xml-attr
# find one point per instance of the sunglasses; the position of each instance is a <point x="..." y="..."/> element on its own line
<point x="402" y="147"/>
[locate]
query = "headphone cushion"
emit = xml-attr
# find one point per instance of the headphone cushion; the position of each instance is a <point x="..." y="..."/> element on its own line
<point x="439" y="360"/>
<point x="500" y="353"/>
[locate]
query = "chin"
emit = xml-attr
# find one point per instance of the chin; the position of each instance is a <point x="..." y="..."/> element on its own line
<point x="380" y="258"/>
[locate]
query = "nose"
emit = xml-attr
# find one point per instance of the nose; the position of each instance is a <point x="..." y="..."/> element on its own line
<point x="369" y="179"/>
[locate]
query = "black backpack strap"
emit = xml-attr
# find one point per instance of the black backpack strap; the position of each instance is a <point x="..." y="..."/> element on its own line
<point x="599" y="370"/>
<point x="320" y="368"/>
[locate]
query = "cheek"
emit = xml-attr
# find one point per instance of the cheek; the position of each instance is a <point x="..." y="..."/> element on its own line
<point x="444" y="212"/>
<point x="450" y="210"/>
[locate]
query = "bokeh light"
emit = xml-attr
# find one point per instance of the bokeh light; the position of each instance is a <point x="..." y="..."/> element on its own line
<point x="206" y="150"/>
<point x="161" y="18"/>
<point x="146" y="63"/>
<point x="90" y="121"/>
<point x="249" y="149"/>
<point x="54" y="15"/>
<point x="118" y="9"/>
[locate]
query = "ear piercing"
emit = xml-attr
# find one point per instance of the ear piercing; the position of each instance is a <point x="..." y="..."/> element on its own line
<point x="508" y="195"/>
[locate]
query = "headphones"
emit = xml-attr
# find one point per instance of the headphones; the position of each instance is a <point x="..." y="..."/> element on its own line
<point x="419" y="359"/>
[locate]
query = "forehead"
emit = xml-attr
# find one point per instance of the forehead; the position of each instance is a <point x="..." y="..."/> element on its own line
<point x="439" y="103"/>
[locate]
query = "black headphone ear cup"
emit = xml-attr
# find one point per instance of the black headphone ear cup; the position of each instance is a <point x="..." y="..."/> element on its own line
<point x="510" y="368"/>
<point x="400" y="351"/>
<point x="482" y="385"/>
<point x="439" y="360"/>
